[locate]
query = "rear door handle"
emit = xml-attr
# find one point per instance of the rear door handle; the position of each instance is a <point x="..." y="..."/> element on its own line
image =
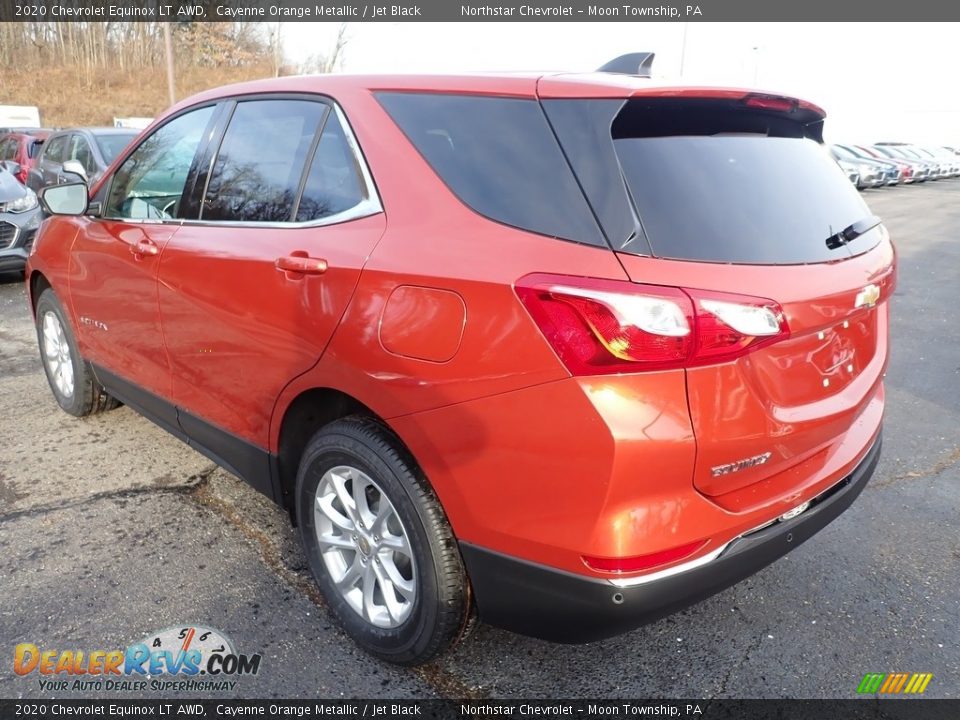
<point x="144" y="247"/>
<point x="302" y="264"/>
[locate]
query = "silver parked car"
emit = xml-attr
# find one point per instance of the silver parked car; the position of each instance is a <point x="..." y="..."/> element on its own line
<point x="78" y="154"/>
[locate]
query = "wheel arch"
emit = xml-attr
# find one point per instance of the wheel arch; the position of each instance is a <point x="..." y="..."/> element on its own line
<point x="308" y="412"/>
<point x="37" y="284"/>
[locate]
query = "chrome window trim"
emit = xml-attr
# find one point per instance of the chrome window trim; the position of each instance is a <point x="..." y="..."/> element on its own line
<point x="370" y="205"/>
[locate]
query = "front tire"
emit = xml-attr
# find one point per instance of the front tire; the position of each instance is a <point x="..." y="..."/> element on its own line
<point x="379" y="544"/>
<point x="74" y="387"/>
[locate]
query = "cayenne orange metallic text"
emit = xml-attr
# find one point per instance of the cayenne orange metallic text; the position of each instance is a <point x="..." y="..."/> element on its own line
<point x="561" y="352"/>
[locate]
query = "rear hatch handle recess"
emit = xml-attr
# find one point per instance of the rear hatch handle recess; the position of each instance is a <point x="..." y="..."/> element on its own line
<point x="852" y="232"/>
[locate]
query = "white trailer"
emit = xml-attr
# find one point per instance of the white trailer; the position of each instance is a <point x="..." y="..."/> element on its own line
<point x="26" y="116"/>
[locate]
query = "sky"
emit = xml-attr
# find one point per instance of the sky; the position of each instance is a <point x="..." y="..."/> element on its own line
<point x="877" y="81"/>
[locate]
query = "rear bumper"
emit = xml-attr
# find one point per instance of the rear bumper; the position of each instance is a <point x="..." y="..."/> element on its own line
<point x="559" y="606"/>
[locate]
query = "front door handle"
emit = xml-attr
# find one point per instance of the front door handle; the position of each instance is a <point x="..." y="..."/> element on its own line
<point x="144" y="247"/>
<point x="299" y="262"/>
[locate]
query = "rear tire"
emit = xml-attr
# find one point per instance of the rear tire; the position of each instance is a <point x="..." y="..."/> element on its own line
<point x="71" y="379"/>
<point x="379" y="543"/>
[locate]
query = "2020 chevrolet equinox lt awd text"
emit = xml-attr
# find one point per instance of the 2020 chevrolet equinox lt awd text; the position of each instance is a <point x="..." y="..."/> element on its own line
<point x="564" y="352"/>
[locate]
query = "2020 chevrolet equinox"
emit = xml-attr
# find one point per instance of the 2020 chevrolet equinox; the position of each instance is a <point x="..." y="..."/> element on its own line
<point x="564" y="352"/>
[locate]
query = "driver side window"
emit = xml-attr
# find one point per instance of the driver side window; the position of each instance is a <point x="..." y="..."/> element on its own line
<point x="149" y="184"/>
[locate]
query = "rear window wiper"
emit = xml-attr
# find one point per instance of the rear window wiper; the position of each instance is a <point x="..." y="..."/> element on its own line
<point x="852" y="232"/>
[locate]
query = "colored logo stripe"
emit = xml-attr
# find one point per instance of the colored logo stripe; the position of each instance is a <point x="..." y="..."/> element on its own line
<point x="894" y="683"/>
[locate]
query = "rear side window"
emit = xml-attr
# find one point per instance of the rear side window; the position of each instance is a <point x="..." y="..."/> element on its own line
<point x="34" y="147"/>
<point x="718" y="182"/>
<point x="333" y="184"/>
<point x="500" y="157"/>
<point x="256" y="176"/>
<point x="56" y="148"/>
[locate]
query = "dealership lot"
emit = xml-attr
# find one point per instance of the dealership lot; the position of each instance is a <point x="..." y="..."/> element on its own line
<point x="110" y="529"/>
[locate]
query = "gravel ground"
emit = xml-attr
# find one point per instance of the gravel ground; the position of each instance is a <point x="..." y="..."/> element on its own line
<point x="110" y="529"/>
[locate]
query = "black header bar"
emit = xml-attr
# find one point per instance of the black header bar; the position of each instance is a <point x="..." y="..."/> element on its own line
<point x="867" y="708"/>
<point x="471" y="10"/>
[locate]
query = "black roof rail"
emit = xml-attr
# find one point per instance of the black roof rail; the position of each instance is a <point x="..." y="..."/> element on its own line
<point x="639" y="64"/>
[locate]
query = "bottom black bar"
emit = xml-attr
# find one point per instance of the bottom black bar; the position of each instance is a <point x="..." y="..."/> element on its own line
<point x="856" y="709"/>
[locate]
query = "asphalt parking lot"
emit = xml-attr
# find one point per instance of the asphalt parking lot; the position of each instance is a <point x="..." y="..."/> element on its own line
<point x="110" y="529"/>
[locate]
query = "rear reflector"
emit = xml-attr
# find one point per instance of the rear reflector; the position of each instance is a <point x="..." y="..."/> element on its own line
<point x="638" y="563"/>
<point x="611" y="326"/>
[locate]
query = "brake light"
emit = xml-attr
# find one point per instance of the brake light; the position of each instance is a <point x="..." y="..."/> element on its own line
<point x="643" y="562"/>
<point x="771" y="102"/>
<point x="611" y="326"/>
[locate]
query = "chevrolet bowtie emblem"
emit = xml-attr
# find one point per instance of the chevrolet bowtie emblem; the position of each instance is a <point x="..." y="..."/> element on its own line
<point x="867" y="297"/>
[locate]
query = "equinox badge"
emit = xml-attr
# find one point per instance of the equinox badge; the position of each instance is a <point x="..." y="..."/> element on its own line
<point x="740" y="465"/>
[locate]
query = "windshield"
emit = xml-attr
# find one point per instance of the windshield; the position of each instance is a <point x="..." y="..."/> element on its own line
<point x="113" y="144"/>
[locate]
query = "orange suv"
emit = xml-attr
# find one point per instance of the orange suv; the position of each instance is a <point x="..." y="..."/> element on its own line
<point x="564" y="352"/>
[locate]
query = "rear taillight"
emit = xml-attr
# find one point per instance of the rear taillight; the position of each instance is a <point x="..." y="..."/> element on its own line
<point x="610" y="326"/>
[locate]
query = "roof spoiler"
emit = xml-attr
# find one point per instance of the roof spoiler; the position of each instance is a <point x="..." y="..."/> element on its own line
<point x="639" y="64"/>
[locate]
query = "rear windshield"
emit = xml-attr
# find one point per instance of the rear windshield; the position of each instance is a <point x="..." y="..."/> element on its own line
<point x="714" y="182"/>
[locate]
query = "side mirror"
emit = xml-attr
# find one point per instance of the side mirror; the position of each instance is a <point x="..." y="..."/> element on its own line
<point x="73" y="167"/>
<point x="11" y="167"/>
<point x="66" y="199"/>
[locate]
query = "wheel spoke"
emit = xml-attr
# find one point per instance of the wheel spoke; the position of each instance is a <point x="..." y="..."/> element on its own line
<point x="397" y="543"/>
<point x="379" y="524"/>
<point x="339" y="483"/>
<point x="369" y="585"/>
<point x="50" y="348"/>
<point x="325" y="506"/>
<point x="364" y="515"/>
<point x="350" y="577"/>
<point x="393" y="574"/>
<point x="329" y="540"/>
<point x="390" y="600"/>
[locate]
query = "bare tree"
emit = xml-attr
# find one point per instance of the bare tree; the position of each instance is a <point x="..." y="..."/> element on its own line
<point x="331" y="60"/>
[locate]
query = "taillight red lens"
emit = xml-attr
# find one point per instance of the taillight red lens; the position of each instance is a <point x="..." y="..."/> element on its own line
<point x="608" y="326"/>
<point x="611" y="326"/>
<point x="771" y="102"/>
<point x="638" y="563"/>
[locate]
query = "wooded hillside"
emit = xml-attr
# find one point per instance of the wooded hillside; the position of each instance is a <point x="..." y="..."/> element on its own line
<point x="81" y="73"/>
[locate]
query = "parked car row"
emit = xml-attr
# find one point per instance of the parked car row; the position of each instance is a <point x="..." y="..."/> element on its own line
<point x="33" y="158"/>
<point x="888" y="163"/>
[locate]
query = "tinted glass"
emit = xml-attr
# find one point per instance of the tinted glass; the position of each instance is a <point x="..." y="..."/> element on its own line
<point x="733" y="199"/>
<point x="56" y="148"/>
<point x="34" y="147"/>
<point x="714" y="181"/>
<point x="256" y="177"/>
<point x="80" y="151"/>
<point x="333" y="184"/>
<point x="112" y="145"/>
<point x="150" y="182"/>
<point x="500" y="157"/>
<point x="8" y="149"/>
<point x="584" y="132"/>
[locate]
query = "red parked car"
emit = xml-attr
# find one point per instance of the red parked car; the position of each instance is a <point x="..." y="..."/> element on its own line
<point x="22" y="148"/>
<point x="567" y="351"/>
